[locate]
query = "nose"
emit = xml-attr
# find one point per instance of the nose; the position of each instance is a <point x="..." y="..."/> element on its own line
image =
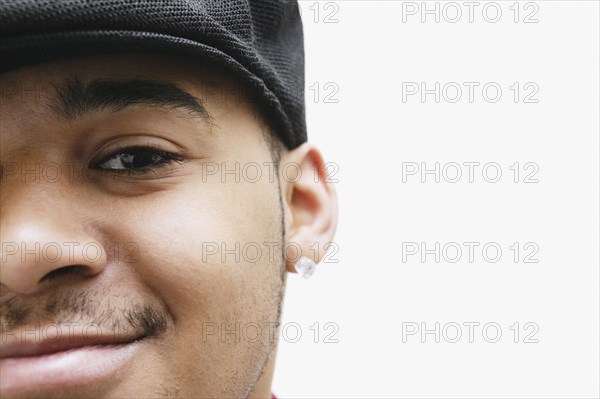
<point x="44" y="250"/>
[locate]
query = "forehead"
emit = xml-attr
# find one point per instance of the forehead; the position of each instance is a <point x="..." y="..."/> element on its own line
<point x="118" y="66"/>
<point x="32" y="88"/>
<point x="30" y="123"/>
<point x="34" y="96"/>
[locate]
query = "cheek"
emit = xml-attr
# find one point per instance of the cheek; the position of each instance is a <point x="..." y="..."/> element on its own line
<point x="182" y="237"/>
<point x="210" y="250"/>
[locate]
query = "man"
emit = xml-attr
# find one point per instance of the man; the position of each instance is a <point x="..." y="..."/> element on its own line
<point x="156" y="189"/>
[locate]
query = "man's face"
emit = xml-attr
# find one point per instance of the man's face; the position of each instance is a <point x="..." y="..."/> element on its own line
<point x="131" y="215"/>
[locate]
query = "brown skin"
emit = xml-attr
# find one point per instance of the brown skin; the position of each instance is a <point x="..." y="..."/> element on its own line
<point x="168" y="214"/>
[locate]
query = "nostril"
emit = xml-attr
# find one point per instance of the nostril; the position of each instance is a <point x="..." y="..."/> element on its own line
<point x="64" y="272"/>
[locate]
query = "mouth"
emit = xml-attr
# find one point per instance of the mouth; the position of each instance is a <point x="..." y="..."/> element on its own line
<point x="74" y="359"/>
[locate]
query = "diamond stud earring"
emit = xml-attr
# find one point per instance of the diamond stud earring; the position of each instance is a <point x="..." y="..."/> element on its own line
<point x="305" y="267"/>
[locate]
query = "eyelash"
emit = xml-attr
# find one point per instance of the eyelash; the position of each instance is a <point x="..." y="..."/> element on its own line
<point x="167" y="159"/>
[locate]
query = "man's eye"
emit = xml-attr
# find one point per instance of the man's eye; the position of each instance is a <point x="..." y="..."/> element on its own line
<point x="137" y="159"/>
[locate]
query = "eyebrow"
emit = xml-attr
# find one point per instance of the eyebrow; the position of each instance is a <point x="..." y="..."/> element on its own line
<point x="75" y="99"/>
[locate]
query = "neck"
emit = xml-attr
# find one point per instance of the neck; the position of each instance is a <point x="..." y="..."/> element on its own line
<point x="262" y="389"/>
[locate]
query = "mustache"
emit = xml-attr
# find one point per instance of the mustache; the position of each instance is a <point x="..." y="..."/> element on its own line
<point x="122" y="316"/>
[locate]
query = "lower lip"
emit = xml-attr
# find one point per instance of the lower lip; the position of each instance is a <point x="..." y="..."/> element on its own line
<point x="64" y="369"/>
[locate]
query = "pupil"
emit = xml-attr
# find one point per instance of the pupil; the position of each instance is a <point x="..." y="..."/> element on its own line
<point x="141" y="159"/>
<point x="138" y="159"/>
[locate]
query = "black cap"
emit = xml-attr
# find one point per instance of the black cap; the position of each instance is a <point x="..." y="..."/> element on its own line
<point x="260" y="41"/>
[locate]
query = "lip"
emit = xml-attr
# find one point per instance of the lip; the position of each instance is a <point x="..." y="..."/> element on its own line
<point x="62" y="363"/>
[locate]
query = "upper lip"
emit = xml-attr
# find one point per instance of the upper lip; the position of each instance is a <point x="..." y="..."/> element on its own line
<point x="28" y="347"/>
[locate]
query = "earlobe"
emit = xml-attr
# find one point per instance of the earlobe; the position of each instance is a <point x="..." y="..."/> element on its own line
<point x="310" y="203"/>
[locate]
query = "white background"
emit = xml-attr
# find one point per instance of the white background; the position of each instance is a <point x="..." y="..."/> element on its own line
<point x="370" y="133"/>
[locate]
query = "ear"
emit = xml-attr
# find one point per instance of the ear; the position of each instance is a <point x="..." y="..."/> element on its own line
<point x="310" y="205"/>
